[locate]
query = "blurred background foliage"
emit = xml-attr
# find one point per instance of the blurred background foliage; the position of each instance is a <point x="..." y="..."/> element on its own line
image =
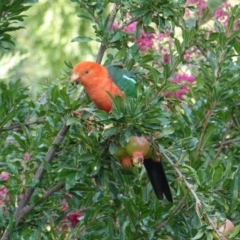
<point x="45" y="43"/>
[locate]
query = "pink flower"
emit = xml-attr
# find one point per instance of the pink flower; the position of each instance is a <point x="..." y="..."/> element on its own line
<point x="26" y="156"/>
<point x="187" y="13"/>
<point x="166" y="58"/>
<point x="4" y="197"/>
<point x="164" y="36"/>
<point x="4" y="176"/>
<point x="21" y="196"/>
<point x="183" y="78"/>
<point x="75" y="218"/>
<point x="187" y="57"/>
<point x="178" y="94"/>
<point x="222" y="15"/>
<point x="200" y="4"/>
<point x="181" y="92"/>
<point x="131" y="28"/>
<point x="69" y="195"/>
<point x="64" y="205"/>
<point x="236" y="24"/>
<point x="3" y="191"/>
<point x="115" y="26"/>
<point x="145" y="41"/>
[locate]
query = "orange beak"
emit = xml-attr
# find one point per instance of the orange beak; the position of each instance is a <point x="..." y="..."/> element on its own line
<point x="75" y="78"/>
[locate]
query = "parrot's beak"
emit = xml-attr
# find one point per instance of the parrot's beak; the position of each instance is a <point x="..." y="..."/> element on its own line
<point x="75" y="78"/>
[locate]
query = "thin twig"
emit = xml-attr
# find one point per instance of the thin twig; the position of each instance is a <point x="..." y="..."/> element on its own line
<point x="198" y="202"/>
<point x="130" y="22"/>
<point x="112" y="17"/>
<point x="227" y="142"/>
<point x="228" y="126"/>
<point x="178" y="208"/>
<point x="28" y="123"/>
<point x="215" y="228"/>
<point x="205" y="124"/>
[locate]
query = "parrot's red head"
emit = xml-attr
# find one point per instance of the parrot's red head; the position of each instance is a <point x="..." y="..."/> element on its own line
<point x="87" y="74"/>
<point x="97" y="83"/>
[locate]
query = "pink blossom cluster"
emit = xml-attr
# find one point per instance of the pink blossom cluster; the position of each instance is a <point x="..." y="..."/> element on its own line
<point x="145" y="41"/>
<point x="150" y="41"/>
<point x="183" y="80"/>
<point x="222" y="15"/>
<point x="201" y="5"/>
<point x="4" y="197"/>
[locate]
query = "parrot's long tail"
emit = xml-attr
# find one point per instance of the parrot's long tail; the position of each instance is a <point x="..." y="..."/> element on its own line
<point x="158" y="179"/>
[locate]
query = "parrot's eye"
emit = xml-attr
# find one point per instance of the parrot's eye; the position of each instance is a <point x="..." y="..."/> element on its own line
<point x="86" y="71"/>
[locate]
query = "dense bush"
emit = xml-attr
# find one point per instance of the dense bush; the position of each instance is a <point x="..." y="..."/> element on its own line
<point x="58" y="177"/>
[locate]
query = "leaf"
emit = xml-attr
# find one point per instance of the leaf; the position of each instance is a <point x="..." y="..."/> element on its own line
<point x="13" y="169"/>
<point x="199" y="235"/>
<point x="84" y="16"/>
<point x="235" y="184"/>
<point x="111" y="228"/>
<point x="81" y="39"/>
<point x="208" y="135"/>
<point x="222" y="39"/>
<point x="237" y="46"/>
<point x="86" y="157"/>
<point x="170" y="86"/>
<point x="30" y="1"/>
<point x="235" y="232"/>
<point x="178" y="46"/>
<point x="72" y="121"/>
<point x="109" y="132"/>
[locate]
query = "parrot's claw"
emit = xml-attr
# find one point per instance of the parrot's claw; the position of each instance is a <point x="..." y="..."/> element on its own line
<point x="76" y="113"/>
<point x="137" y="162"/>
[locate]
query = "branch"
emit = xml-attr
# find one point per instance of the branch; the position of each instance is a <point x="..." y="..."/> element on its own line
<point x="227" y="142"/>
<point x="54" y="189"/>
<point x="39" y="174"/>
<point x="112" y="17"/>
<point x="28" y="123"/>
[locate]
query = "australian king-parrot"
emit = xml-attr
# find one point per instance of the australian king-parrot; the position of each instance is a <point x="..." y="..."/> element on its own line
<point x="99" y="81"/>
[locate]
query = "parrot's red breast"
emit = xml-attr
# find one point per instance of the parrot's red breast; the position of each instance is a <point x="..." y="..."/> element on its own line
<point x="97" y="83"/>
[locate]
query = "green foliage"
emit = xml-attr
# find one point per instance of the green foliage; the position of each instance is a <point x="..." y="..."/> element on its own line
<point x="63" y="133"/>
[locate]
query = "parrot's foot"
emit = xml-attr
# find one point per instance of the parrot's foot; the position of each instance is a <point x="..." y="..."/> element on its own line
<point x="76" y="113"/>
<point x="126" y="162"/>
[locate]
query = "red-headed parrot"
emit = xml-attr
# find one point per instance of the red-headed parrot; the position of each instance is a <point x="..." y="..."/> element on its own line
<point x="98" y="81"/>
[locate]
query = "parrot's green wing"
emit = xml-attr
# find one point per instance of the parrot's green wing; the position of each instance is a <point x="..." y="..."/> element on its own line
<point x="125" y="80"/>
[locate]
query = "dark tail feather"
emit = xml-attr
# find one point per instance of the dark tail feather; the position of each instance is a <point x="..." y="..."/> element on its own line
<point x="158" y="179"/>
